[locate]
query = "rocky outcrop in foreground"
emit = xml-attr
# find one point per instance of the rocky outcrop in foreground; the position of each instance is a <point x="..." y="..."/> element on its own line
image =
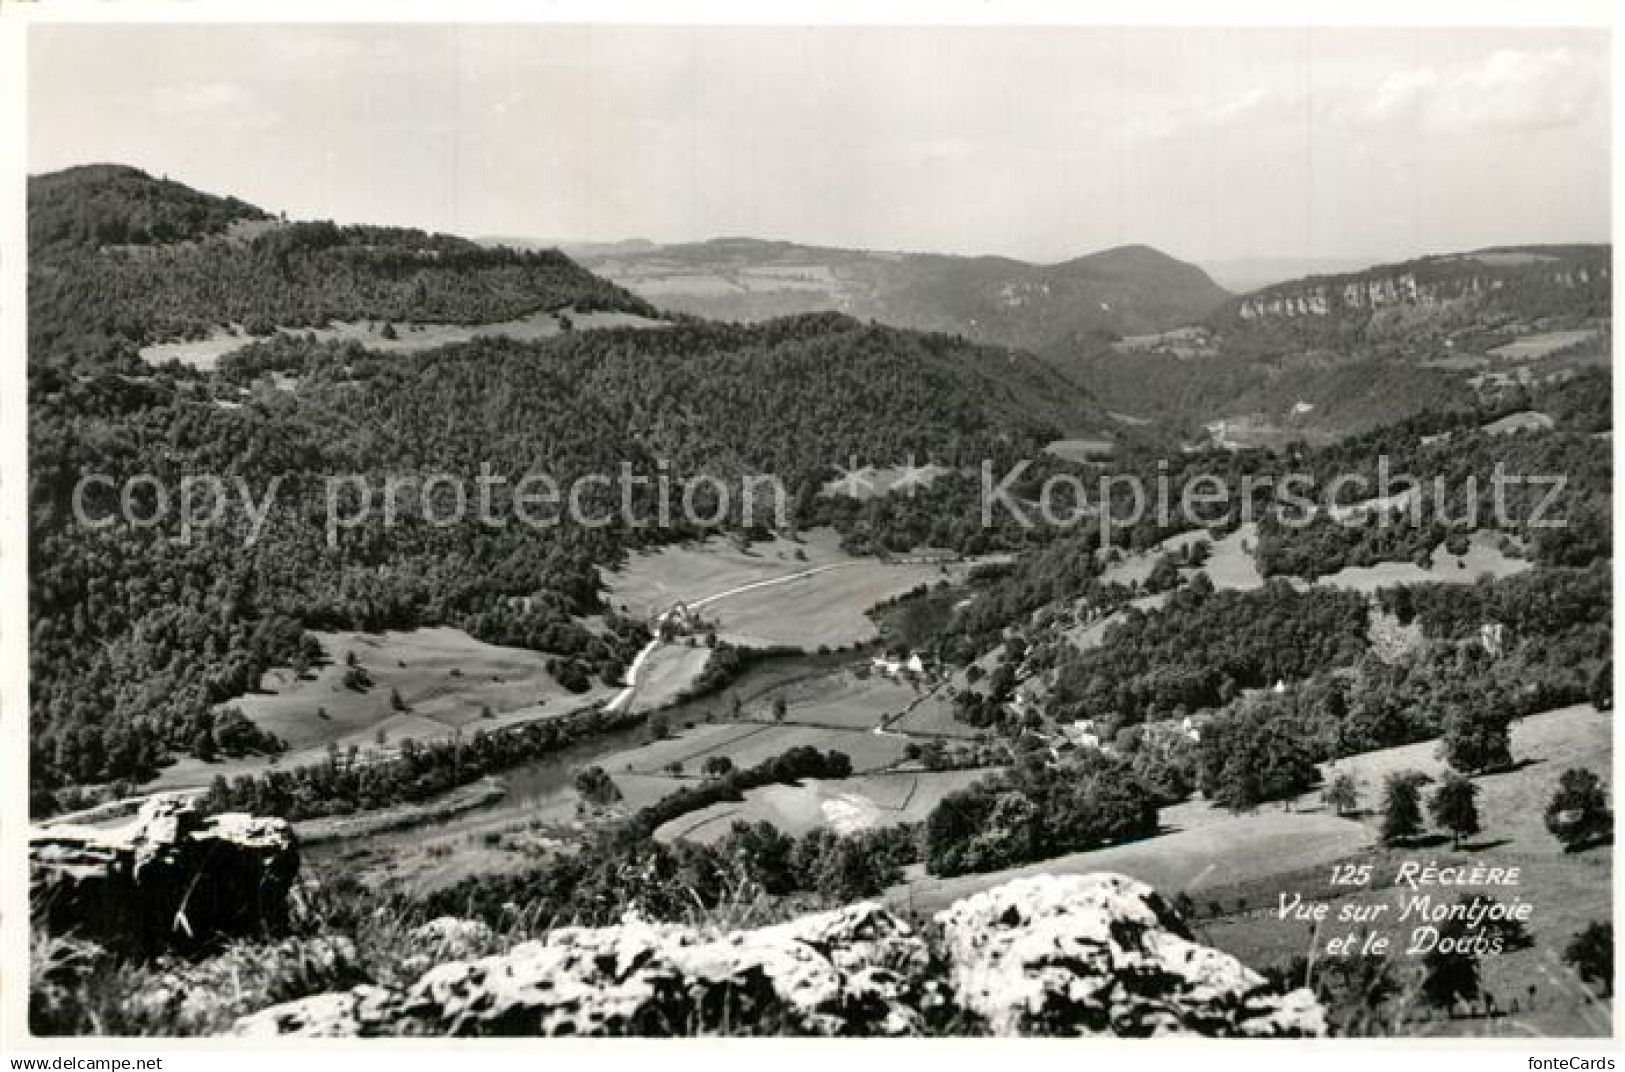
<point x="169" y="877"/>
<point x="1104" y="955"/>
<point x="1075" y="955"/>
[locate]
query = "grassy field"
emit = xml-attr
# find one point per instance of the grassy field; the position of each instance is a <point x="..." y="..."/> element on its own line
<point x="1081" y="450"/>
<point x="1567" y="890"/>
<point x="932" y="716"/>
<point x="750" y="743"/>
<point x="1227" y="566"/>
<point x="844" y="805"/>
<point x="1216" y="851"/>
<point x="1528" y="421"/>
<point x="650" y="582"/>
<point x="1242" y="864"/>
<point x="1230" y="565"/>
<point x="1090" y="635"/>
<point x="1483" y="556"/>
<point x="1267" y="842"/>
<point x="205" y="354"/>
<point x="444" y="676"/>
<point x="665" y="673"/>
<point x="802" y="594"/>
<point x="824" y="609"/>
<point x="1248" y="431"/>
<point x="843" y="699"/>
<point x="1539" y="345"/>
<point x="1135" y="568"/>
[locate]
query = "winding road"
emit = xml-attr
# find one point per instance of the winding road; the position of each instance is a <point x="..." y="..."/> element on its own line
<point x="624" y="697"/>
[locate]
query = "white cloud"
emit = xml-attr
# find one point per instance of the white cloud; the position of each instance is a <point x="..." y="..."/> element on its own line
<point x="1509" y="91"/>
<point x="1257" y="106"/>
<point x="211" y="103"/>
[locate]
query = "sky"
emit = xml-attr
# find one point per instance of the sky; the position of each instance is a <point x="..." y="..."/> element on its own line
<point x="1042" y="144"/>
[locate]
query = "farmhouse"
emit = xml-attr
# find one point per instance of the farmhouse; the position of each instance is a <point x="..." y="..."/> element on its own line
<point x="892" y="665"/>
<point x="1082" y="734"/>
<point x="1492" y="636"/>
<point x="677" y="620"/>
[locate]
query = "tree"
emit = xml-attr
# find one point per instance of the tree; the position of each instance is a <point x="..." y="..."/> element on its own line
<point x="1401" y="806"/>
<point x="1601" y="692"/>
<point x="1253" y="755"/>
<point x="780" y="707"/>
<point x="395" y="700"/>
<point x="1448" y="977"/>
<point x="1343" y="794"/>
<point x="1454" y="806"/>
<point x="1591" y="954"/>
<point x="1578" y="814"/>
<point x="596" y="787"/>
<point x="766" y="854"/>
<point x="1164" y="575"/>
<point x="203" y="746"/>
<point x="717" y="766"/>
<point x="1474" y="742"/>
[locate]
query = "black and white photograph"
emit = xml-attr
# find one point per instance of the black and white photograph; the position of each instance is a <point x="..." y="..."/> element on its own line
<point x="638" y="528"/>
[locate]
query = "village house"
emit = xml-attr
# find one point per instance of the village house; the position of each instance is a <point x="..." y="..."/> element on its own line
<point x="891" y="665"/>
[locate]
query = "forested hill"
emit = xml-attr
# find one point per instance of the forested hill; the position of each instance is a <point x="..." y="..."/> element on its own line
<point x="118" y="258"/>
<point x="1431" y="295"/>
<point x="137" y="636"/>
<point x="85" y="208"/>
<point x="794" y="396"/>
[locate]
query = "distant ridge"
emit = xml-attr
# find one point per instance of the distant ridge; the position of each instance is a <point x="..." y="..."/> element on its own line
<point x="1127" y="290"/>
<point x="1427" y="294"/>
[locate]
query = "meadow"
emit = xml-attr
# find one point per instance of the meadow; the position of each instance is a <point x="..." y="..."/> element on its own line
<point x="844" y="805"/>
<point x="1235" y="868"/>
<point x="803" y="593"/>
<point x="1483" y="556"/>
<point x="205" y="354"/>
<point x="447" y="682"/>
<point x="1542" y="344"/>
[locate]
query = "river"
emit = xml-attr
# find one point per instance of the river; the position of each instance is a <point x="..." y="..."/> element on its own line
<point x="543" y="786"/>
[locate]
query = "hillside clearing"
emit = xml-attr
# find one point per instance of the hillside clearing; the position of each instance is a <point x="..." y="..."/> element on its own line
<point x="205" y="354"/>
<point x="444" y="677"/>
<point x="844" y="805"/>
<point x="748" y="743"/>
<point x="652" y="581"/>
<point x="1567" y="891"/>
<point x="1527" y="421"/>
<point x="1206" y="847"/>
<point x="1541" y="344"/>
<point x="1483" y="556"/>
<point x="802" y="593"/>
<point x="1081" y="450"/>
